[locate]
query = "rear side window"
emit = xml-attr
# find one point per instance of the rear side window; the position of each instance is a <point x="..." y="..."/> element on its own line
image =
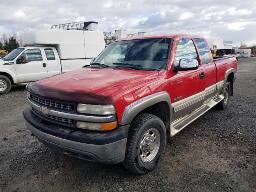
<point x="33" y="55"/>
<point x="49" y="54"/>
<point x="204" y="50"/>
<point x="185" y="50"/>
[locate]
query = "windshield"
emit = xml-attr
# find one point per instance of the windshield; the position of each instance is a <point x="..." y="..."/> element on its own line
<point x="13" y="54"/>
<point x="144" y="54"/>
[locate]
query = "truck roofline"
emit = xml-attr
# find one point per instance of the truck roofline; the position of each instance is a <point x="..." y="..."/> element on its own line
<point x="37" y="46"/>
<point x="171" y="36"/>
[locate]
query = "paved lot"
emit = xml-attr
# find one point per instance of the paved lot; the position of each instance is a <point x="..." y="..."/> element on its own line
<point x="215" y="153"/>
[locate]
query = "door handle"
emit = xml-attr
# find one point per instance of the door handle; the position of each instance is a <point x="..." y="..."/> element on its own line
<point x="202" y="75"/>
<point x="44" y="64"/>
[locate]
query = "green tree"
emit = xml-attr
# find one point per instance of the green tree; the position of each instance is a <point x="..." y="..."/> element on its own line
<point x="11" y="44"/>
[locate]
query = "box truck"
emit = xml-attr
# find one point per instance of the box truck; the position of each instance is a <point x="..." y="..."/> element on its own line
<point x="50" y="52"/>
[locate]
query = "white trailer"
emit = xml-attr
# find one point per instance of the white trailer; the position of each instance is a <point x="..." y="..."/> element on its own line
<point x="244" y="52"/>
<point x="50" y="52"/>
<point x="75" y="48"/>
<point x="216" y="43"/>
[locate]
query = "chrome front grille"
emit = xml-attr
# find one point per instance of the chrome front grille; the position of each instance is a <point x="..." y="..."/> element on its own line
<point x="60" y="119"/>
<point x="54" y="119"/>
<point x="59" y="105"/>
<point x="59" y="112"/>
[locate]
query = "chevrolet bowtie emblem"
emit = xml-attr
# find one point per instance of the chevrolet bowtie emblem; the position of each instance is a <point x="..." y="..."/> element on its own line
<point x="44" y="110"/>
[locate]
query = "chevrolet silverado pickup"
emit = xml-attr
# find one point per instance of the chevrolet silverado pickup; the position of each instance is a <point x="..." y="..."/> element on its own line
<point x="130" y="99"/>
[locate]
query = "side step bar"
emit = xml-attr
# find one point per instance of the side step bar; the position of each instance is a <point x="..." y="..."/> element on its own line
<point x="181" y="123"/>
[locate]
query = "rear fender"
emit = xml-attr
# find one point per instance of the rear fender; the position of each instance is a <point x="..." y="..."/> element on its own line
<point x="227" y="74"/>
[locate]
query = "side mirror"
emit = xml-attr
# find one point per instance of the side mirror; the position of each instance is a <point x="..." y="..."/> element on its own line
<point x="187" y="64"/>
<point x="21" y="60"/>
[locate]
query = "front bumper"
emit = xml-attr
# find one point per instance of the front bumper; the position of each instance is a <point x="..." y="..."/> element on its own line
<point x="105" y="147"/>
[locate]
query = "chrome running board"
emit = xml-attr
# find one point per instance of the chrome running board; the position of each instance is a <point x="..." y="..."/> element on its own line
<point x="181" y="123"/>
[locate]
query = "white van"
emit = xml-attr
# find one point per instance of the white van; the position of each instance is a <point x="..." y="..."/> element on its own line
<point x="48" y="53"/>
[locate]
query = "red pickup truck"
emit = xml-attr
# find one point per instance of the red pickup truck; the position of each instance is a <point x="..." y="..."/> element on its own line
<point x="135" y="94"/>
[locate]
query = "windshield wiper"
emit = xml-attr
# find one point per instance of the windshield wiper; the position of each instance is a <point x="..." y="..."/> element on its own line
<point x="128" y="65"/>
<point x="97" y="64"/>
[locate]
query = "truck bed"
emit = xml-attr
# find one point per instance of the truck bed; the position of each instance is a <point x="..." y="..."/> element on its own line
<point x="223" y="64"/>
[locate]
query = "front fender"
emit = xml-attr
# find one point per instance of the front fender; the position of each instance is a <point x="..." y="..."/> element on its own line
<point x="10" y="73"/>
<point x="132" y="110"/>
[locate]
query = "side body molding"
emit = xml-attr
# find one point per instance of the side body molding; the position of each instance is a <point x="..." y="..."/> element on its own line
<point x="136" y="107"/>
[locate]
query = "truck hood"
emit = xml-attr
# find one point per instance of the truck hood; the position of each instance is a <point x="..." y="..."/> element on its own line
<point x="3" y="62"/>
<point x="93" y="85"/>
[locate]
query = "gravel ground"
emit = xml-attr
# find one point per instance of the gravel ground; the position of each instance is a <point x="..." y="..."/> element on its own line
<point x="215" y="153"/>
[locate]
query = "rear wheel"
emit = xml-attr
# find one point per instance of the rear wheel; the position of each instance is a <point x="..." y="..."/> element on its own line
<point x="5" y="84"/>
<point x="146" y="142"/>
<point x="226" y="93"/>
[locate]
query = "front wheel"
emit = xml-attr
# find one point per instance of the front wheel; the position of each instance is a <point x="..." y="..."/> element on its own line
<point x="146" y="142"/>
<point x="5" y="84"/>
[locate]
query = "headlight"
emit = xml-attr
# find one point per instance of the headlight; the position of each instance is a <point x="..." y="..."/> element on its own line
<point x="96" y="109"/>
<point x="96" y="126"/>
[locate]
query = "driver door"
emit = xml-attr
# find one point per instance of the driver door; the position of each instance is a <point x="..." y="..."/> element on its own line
<point x="188" y="85"/>
<point x="32" y="67"/>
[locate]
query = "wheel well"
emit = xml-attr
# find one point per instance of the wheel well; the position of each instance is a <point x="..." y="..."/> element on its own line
<point x="7" y="75"/>
<point x="161" y="110"/>
<point x="230" y="79"/>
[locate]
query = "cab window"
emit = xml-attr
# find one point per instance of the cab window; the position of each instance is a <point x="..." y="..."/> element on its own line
<point x="49" y="54"/>
<point x="204" y="50"/>
<point x="33" y="55"/>
<point x="185" y="50"/>
<point x="117" y="54"/>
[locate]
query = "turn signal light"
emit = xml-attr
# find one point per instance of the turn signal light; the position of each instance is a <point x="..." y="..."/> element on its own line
<point x="108" y="126"/>
<point x="96" y="126"/>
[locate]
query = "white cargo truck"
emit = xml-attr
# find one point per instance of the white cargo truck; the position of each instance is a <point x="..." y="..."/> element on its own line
<point x="64" y="48"/>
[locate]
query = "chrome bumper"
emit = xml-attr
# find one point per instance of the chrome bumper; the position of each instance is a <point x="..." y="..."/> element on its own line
<point x="111" y="153"/>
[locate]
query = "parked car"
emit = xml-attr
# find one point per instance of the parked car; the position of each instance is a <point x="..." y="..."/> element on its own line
<point x="133" y="96"/>
<point x="48" y="53"/>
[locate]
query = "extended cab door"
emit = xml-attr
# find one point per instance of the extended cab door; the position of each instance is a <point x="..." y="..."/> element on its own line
<point x="208" y="67"/>
<point x="30" y="66"/>
<point x="52" y="62"/>
<point x="188" y="85"/>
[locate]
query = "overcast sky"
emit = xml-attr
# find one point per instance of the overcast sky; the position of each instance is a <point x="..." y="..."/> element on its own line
<point x="228" y="19"/>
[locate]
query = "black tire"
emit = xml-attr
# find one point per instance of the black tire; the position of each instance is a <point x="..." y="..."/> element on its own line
<point x="143" y="124"/>
<point x="227" y="93"/>
<point x="5" y="84"/>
